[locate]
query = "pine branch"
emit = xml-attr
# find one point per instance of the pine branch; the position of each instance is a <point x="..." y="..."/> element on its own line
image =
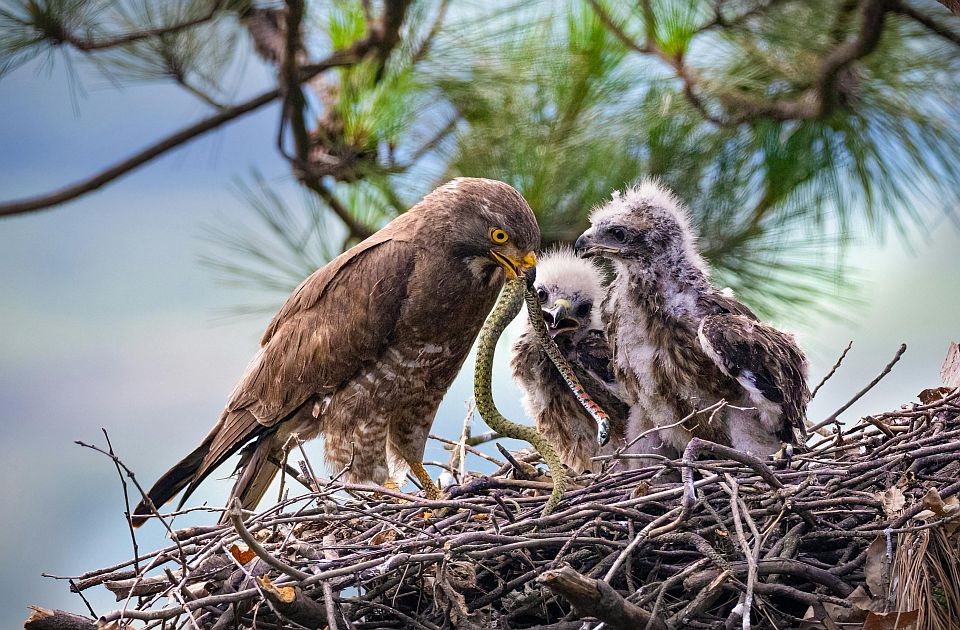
<point x="357" y="230"/>
<point x="952" y="5"/>
<point x="931" y="24"/>
<point x="382" y="38"/>
<point x="816" y="102"/>
<point x="62" y="35"/>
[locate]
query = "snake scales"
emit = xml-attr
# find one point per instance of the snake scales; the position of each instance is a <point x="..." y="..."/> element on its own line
<point x="515" y="292"/>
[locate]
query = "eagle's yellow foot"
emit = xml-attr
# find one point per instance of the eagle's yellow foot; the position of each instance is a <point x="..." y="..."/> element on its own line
<point x="430" y="489"/>
<point x="392" y="486"/>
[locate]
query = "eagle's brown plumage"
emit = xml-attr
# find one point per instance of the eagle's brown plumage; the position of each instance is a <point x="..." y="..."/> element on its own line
<point x="569" y="290"/>
<point x="679" y="344"/>
<point x="365" y="348"/>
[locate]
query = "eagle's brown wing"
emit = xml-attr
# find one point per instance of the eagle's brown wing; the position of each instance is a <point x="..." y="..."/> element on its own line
<point x="763" y="360"/>
<point x="338" y="319"/>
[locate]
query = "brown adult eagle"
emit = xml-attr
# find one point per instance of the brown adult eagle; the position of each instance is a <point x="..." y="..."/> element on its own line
<point x="365" y="348"/>
<point x="679" y="344"/>
<point x="570" y="290"/>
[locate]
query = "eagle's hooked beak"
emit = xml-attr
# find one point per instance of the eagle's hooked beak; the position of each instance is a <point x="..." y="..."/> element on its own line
<point x="515" y="268"/>
<point x="557" y="319"/>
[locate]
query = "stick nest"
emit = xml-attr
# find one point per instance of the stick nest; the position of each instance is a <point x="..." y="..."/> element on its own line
<point x="858" y="531"/>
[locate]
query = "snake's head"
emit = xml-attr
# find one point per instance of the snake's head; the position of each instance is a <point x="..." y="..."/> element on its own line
<point x="530" y="275"/>
<point x="603" y="431"/>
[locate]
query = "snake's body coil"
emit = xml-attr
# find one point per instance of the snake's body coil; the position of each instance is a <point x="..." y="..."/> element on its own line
<point x="502" y="314"/>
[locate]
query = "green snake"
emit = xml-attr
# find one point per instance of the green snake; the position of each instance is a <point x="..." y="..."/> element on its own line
<point x="507" y="307"/>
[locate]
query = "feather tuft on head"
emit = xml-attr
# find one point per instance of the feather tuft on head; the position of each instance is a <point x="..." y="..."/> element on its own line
<point x="649" y="193"/>
<point x="560" y="267"/>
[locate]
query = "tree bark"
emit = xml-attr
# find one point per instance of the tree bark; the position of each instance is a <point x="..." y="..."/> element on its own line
<point x="45" y="619"/>
<point x="596" y="598"/>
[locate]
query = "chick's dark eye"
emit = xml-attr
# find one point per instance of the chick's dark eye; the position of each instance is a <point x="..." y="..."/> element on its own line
<point x="541" y="295"/>
<point x="584" y="309"/>
<point x="618" y="234"/>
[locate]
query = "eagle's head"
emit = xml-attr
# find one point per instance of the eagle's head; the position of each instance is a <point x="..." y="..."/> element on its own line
<point x="568" y="289"/>
<point x="645" y="224"/>
<point x="488" y="225"/>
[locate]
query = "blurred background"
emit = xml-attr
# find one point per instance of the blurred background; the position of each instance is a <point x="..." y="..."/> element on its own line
<point x="171" y="170"/>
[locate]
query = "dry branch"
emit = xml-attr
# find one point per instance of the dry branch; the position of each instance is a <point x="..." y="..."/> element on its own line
<point x="43" y="619"/>
<point x="596" y="598"/>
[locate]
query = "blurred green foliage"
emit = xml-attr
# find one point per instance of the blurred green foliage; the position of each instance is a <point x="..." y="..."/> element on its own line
<point x="782" y="158"/>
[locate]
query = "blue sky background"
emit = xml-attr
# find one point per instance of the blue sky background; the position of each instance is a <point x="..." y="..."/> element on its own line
<point x="108" y="320"/>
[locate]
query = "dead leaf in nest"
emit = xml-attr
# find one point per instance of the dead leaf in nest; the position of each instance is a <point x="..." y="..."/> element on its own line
<point x="936" y="507"/>
<point x="933" y="502"/>
<point x="242" y="556"/>
<point x="876" y="566"/>
<point x="830" y="615"/>
<point x="451" y="579"/>
<point x="642" y="490"/>
<point x="933" y="394"/>
<point x="892" y="500"/>
<point x="891" y="621"/>
<point x="387" y="535"/>
<point x="861" y="600"/>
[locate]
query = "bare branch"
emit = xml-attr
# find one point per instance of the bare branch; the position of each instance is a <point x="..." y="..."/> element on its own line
<point x="340" y="58"/>
<point x="817" y="101"/>
<point x="832" y="371"/>
<point x="886" y="370"/>
<point x="45" y="619"/>
<point x="65" y="36"/>
<point x="930" y="23"/>
<point x="596" y="598"/>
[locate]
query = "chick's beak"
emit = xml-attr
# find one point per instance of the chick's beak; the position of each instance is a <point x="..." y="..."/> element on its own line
<point x="557" y="319"/>
<point x="587" y="247"/>
<point x="583" y="244"/>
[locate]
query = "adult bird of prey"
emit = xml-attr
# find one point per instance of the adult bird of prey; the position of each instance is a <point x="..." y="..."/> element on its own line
<point x="365" y="348"/>
<point x="679" y="344"/>
<point x="569" y="290"/>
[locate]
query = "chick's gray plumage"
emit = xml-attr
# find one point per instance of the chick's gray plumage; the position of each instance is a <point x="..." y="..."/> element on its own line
<point x="679" y="344"/>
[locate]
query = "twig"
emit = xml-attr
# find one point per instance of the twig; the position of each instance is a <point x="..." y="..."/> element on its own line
<point x="126" y="503"/>
<point x="886" y="370"/>
<point x="344" y="57"/>
<point x="596" y="598"/>
<point x="832" y="371"/>
<point x="235" y="514"/>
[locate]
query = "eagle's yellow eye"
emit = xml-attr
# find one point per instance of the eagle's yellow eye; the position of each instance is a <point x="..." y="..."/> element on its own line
<point x="498" y="236"/>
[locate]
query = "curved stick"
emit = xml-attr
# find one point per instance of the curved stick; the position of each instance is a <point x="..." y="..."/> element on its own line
<point x="503" y="312"/>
